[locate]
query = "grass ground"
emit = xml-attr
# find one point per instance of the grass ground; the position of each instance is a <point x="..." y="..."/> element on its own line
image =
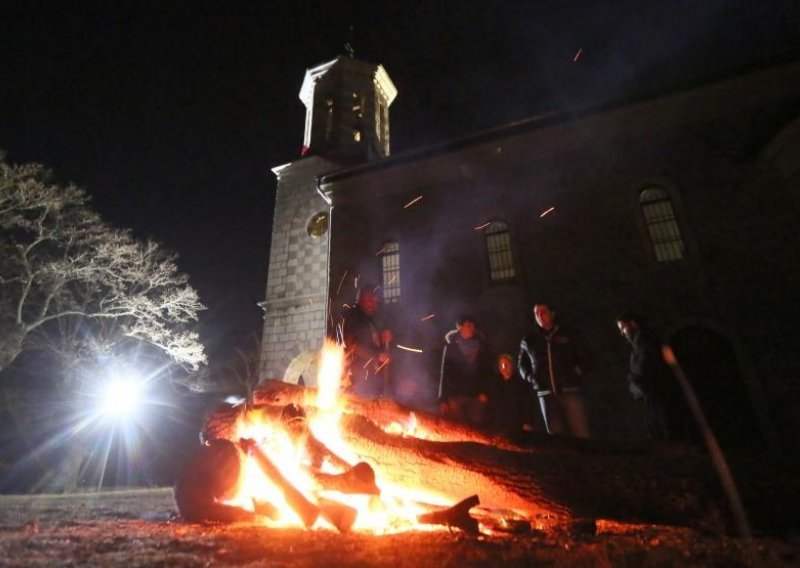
<point x="140" y="528"/>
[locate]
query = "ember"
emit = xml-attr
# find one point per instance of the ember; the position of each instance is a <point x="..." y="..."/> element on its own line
<point x="412" y="202"/>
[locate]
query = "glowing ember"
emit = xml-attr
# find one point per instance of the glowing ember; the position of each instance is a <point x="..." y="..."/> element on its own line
<point x="412" y="349"/>
<point x="408" y="429"/>
<point x="479" y="227"/>
<point x="412" y="202"/>
<point x="577" y="55"/>
<point x="429" y="316"/>
<point x="341" y="282"/>
<point x="546" y="212"/>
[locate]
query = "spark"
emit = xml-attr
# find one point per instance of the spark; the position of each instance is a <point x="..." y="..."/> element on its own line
<point x="392" y="279"/>
<point x="577" y="55"/>
<point x="429" y="316"/>
<point x="330" y="313"/>
<point x="341" y="282"/>
<point x="380" y="252"/>
<point x="546" y="212"/>
<point x="378" y="370"/>
<point x="412" y="349"/>
<point x="367" y="363"/>
<point x="412" y="202"/>
<point x="479" y="227"/>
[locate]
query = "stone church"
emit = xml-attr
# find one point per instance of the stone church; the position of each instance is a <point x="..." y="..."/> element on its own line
<point x="683" y="206"/>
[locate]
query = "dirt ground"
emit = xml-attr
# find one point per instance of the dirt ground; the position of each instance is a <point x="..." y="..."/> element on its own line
<point x="140" y="528"/>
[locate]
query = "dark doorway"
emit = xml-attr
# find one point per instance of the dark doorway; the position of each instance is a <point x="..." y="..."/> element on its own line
<point x="712" y="367"/>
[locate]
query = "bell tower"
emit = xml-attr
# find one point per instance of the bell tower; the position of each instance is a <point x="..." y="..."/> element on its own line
<point x="347" y="109"/>
<point x="347" y="122"/>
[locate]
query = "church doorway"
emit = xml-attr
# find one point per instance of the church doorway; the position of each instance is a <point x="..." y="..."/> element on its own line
<point x="713" y="368"/>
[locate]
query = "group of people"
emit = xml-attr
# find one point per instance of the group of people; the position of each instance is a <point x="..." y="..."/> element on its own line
<point x="485" y="391"/>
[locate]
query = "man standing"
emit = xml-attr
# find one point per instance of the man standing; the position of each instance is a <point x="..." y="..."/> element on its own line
<point x="553" y="359"/>
<point x="465" y="371"/>
<point x="649" y="377"/>
<point x="366" y="349"/>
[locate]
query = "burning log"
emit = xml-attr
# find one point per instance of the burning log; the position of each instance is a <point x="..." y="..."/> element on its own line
<point x="265" y="509"/>
<point x="455" y="516"/>
<point x="307" y="511"/>
<point x="384" y="413"/>
<point x="338" y="514"/>
<point x="211" y="476"/>
<point x="549" y="481"/>
<point x="359" y="479"/>
<point x="296" y="423"/>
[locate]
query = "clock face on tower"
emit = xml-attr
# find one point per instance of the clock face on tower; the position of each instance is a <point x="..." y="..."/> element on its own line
<point x="318" y="225"/>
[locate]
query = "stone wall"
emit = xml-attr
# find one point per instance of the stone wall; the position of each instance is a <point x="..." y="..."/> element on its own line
<point x="295" y="304"/>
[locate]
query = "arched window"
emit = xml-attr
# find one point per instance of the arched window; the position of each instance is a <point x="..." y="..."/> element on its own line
<point x="662" y="226"/>
<point x="498" y="248"/>
<point x="390" y="272"/>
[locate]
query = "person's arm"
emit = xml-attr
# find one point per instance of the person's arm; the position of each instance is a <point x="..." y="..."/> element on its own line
<point x="444" y="372"/>
<point x="526" y="363"/>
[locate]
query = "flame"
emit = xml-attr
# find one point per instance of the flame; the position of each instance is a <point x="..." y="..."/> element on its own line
<point x="394" y="510"/>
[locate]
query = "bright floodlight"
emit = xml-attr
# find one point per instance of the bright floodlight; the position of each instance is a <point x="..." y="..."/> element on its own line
<point x="121" y="398"/>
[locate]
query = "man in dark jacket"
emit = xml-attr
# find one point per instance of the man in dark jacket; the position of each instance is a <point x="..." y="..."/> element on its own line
<point x="466" y="367"/>
<point x="650" y="379"/>
<point x="366" y="348"/>
<point x="554" y="360"/>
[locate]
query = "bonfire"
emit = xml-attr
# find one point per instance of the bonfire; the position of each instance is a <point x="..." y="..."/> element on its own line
<point x="319" y="458"/>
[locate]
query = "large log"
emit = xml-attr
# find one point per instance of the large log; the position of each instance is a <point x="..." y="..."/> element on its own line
<point x="550" y="480"/>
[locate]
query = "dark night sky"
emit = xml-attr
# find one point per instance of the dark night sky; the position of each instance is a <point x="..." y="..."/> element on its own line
<point x="171" y="114"/>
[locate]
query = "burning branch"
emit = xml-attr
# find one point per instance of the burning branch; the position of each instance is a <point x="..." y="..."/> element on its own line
<point x="456" y="516"/>
<point x="359" y="479"/>
<point x="306" y="510"/>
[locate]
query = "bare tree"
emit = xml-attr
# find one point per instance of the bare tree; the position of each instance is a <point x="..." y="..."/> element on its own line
<point x="61" y="263"/>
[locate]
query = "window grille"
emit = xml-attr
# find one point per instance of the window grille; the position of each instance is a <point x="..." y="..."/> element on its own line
<point x="390" y="273"/>
<point x="498" y="247"/>
<point x="662" y="226"/>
